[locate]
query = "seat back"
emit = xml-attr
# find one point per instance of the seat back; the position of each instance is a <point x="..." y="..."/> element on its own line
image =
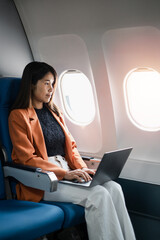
<point x="8" y="91"/>
<point x="2" y="191"/>
<point x="9" y="88"/>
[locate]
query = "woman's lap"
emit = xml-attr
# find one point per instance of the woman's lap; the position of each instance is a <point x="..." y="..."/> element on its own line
<point x="78" y="195"/>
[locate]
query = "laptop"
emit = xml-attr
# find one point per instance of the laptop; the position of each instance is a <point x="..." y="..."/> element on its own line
<point x="108" y="169"/>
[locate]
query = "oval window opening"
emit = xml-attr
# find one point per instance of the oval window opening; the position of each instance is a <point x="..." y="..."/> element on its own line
<point x="77" y="96"/>
<point x="142" y="98"/>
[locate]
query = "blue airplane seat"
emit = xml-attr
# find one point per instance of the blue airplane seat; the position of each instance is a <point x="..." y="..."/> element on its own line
<point x="9" y="87"/>
<point x="2" y="191"/>
<point x="74" y="214"/>
<point x="28" y="220"/>
<point x="8" y="91"/>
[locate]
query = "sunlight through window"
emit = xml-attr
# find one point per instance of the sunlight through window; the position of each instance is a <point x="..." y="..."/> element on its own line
<point x="142" y="97"/>
<point x="77" y="96"/>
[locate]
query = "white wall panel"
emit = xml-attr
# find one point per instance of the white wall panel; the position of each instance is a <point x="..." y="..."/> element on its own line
<point x="67" y="52"/>
<point x="15" y="52"/>
<point x="124" y="50"/>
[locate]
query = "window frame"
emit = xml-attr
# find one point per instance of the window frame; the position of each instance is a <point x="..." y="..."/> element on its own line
<point x="62" y="97"/>
<point x="127" y="104"/>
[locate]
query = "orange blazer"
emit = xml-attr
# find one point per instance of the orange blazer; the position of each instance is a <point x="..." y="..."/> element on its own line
<point x="29" y="148"/>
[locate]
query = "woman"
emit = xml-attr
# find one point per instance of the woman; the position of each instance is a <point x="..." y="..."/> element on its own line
<point x="41" y="139"/>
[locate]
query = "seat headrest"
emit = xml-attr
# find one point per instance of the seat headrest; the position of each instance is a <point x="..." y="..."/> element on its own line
<point x="9" y="88"/>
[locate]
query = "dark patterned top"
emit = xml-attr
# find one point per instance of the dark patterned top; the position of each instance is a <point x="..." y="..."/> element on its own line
<point x="52" y="131"/>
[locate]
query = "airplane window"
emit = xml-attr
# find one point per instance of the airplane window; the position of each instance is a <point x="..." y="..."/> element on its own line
<point x="77" y="96"/>
<point x="141" y="90"/>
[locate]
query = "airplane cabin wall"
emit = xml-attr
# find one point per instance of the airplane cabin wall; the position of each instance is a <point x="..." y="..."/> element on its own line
<point x="95" y="24"/>
<point x="127" y="49"/>
<point x="15" y="52"/>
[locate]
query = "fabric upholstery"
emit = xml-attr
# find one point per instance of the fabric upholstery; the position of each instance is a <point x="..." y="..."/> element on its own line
<point x="2" y="192"/>
<point x="8" y="91"/>
<point x="28" y="220"/>
<point x="74" y="214"/>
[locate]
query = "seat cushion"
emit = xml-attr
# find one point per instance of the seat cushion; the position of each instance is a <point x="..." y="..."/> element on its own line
<point x="28" y="220"/>
<point x="73" y="214"/>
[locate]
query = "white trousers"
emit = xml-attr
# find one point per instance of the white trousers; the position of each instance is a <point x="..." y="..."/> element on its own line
<point x="105" y="211"/>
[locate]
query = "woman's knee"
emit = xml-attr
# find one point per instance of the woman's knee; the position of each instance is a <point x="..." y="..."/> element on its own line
<point x="99" y="190"/>
<point x="113" y="186"/>
<point x="98" y="194"/>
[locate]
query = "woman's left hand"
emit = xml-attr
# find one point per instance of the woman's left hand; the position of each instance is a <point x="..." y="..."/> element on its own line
<point x="89" y="171"/>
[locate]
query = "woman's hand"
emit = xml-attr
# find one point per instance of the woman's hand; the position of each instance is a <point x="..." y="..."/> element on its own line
<point x="89" y="171"/>
<point x="79" y="174"/>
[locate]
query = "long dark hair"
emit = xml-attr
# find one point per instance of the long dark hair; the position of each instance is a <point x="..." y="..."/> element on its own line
<point x="33" y="72"/>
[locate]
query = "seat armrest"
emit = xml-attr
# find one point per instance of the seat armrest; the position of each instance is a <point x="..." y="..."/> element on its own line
<point x="91" y="162"/>
<point x="21" y="166"/>
<point x="86" y="158"/>
<point x="31" y="176"/>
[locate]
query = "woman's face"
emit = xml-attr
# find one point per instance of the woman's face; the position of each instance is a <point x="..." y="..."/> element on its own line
<point x="42" y="91"/>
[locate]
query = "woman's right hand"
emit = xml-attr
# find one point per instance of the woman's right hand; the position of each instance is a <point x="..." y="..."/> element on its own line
<point x="78" y="174"/>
